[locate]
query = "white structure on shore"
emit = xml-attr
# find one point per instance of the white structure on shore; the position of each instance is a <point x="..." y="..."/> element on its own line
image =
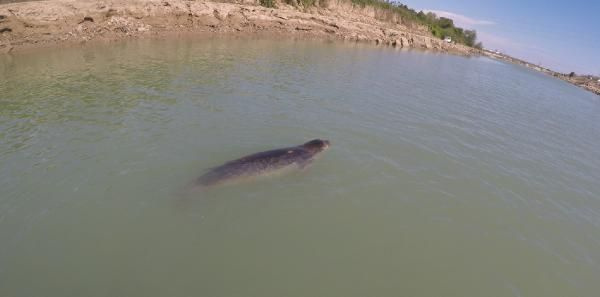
<point x="448" y="39"/>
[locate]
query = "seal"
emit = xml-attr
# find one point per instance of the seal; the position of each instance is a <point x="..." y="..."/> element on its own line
<point x="263" y="163"/>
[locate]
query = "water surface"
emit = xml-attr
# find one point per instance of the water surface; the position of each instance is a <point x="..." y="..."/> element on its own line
<point x="447" y="176"/>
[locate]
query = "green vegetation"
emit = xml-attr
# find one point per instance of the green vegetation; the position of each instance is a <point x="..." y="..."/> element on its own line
<point x="305" y="3"/>
<point x="444" y="27"/>
<point x="268" y="3"/>
<point x="440" y="27"/>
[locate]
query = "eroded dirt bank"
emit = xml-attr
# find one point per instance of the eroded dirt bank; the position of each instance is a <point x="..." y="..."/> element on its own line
<point x="43" y="23"/>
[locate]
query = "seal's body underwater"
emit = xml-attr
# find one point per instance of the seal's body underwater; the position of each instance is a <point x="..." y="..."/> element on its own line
<point x="263" y="163"/>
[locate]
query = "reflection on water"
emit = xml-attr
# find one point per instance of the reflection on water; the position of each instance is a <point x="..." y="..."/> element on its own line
<point x="447" y="175"/>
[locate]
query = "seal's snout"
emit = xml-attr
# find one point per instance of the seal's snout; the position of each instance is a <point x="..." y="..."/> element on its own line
<point x="317" y="145"/>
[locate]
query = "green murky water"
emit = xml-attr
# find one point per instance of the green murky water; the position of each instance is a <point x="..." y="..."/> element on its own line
<point x="447" y="176"/>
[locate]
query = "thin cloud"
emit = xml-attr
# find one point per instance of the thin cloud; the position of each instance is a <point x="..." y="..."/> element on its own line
<point x="524" y="51"/>
<point x="459" y="19"/>
<point x="494" y="41"/>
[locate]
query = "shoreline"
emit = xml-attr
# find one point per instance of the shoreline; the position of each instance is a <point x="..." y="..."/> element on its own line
<point x="586" y="82"/>
<point x="42" y="24"/>
<point x="55" y="23"/>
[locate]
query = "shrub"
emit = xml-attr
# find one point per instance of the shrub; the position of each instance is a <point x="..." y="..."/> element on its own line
<point x="439" y="27"/>
<point x="308" y="3"/>
<point x="268" y="3"/>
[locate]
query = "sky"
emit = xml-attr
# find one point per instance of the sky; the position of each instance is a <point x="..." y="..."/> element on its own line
<point x="561" y="35"/>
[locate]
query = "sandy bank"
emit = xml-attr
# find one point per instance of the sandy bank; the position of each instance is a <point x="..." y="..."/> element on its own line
<point x="44" y="23"/>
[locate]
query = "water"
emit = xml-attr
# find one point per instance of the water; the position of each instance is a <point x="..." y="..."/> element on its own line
<point x="447" y="176"/>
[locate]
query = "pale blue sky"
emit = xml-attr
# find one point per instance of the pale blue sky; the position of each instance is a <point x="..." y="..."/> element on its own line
<point x="561" y="35"/>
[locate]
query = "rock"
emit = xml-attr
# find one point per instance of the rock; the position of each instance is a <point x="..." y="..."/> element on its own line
<point x="303" y="28"/>
<point x="377" y="41"/>
<point x="86" y="19"/>
<point x="6" y="50"/>
<point x="111" y="12"/>
<point x="218" y="16"/>
<point x="5" y="29"/>
<point x="403" y="41"/>
<point x="427" y="43"/>
<point x="144" y="28"/>
<point x="2" y="18"/>
<point x="395" y="43"/>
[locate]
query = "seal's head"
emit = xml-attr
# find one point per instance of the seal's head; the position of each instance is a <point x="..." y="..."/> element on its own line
<point x="316" y="145"/>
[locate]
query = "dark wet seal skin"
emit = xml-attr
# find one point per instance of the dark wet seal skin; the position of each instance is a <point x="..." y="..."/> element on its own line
<point x="263" y="163"/>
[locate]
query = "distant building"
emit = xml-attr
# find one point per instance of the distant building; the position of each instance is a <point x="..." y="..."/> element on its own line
<point x="448" y="39"/>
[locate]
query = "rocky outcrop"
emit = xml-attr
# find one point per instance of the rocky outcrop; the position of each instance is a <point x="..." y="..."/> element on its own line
<point x="592" y="85"/>
<point x="33" y="24"/>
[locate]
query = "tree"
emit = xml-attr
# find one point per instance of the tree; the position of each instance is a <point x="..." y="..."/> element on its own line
<point x="445" y="23"/>
<point x="470" y="37"/>
<point x="478" y="45"/>
<point x="431" y="17"/>
<point x="571" y="74"/>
